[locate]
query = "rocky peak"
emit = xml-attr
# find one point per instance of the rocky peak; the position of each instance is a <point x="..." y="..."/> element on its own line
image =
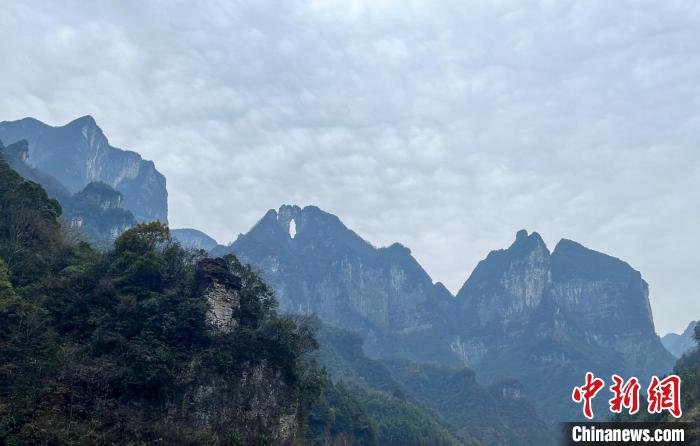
<point x="221" y="289"/>
<point x="316" y="264"/>
<point x="509" y="283"/>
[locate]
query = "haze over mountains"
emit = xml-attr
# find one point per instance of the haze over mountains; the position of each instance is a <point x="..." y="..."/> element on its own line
<point x="521" y="332"/>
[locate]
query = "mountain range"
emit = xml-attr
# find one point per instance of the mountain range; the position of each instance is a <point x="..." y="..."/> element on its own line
<point x="541" y="318"/>
<point x="522" y="331"/>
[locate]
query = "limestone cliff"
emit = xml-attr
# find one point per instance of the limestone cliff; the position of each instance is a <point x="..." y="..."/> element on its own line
<point x="258" y="401"/>
<point x="546" y="319"/>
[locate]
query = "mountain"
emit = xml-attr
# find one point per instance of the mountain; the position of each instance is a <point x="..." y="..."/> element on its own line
<point x="547" y="318"/>
<point x="193" y="239"/>
<point x="79" y="153"/>
<point x="678" y="344"/>
<point x="527" y="314"/>
<point x="94" y="213"/>
<point x="317" y="265"/>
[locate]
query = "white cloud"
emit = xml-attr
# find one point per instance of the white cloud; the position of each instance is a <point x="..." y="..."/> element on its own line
<point x="443" y="125"/>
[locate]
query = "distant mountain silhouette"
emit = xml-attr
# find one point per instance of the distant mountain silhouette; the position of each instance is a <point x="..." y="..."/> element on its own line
<point x="678" y="344"/>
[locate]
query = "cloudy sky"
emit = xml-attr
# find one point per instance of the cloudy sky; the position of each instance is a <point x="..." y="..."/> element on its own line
<point x="446" y="126"/>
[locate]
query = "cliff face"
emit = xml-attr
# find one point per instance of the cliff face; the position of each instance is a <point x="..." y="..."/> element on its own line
<point x="221" y="290"/>
<point x="257" y="401"/>
<point x="317" y="265"/>
<point x="547" y="319"/>
<point x="78" y="153"/>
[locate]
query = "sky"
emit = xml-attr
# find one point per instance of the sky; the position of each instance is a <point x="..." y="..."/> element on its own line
<point x="446" y="126"/>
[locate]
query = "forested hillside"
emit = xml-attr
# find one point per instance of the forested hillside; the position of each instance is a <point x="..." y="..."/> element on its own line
<point x="127" y="346"/>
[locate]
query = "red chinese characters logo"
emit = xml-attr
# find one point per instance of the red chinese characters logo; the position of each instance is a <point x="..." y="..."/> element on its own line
<point x="626" y="395"/>
<point x="587" y="392"/>
<point x="665" y="394"/>
<point x="662" y="394"/>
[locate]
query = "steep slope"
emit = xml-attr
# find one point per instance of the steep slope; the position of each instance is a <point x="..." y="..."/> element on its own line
<point x="94" y="213"/>
<point x="679" y="344"/>
<point x="450" y="396"/>
<point x="546" y="319"/>
<point x="317" y="265"/>
<point x="193" y="239"/>
<point x="78" y="153"/>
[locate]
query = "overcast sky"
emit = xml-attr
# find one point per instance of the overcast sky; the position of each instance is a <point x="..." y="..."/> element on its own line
<point x="446" y="126"/>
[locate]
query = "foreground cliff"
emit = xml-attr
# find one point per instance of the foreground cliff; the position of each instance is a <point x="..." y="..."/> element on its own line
<point x="144" y="344"/>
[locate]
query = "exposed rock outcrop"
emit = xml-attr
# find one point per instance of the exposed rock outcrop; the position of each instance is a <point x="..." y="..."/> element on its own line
<point x="95" y="211"/>
<point x="258" y="402"/>
<point x="221" y="290"/>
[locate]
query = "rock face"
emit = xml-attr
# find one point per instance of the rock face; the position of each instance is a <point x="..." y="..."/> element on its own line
<point x="317" y="265"/>
<point x="679" y="344"/>
<point x="78" y="153"/>
<point x="193" y="239"/>
<point x="258" y="401"/>
<point x="545" y="319"/>
<point x="221" y="290"/>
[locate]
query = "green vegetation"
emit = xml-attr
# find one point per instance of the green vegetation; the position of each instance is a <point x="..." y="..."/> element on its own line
<point x="366" y="388"/>
<point x="115" y="347"/>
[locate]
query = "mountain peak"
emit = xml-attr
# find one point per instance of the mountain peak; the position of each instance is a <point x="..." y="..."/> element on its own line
<point x="84" y="120"/>
<point x="529" y="242"/>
